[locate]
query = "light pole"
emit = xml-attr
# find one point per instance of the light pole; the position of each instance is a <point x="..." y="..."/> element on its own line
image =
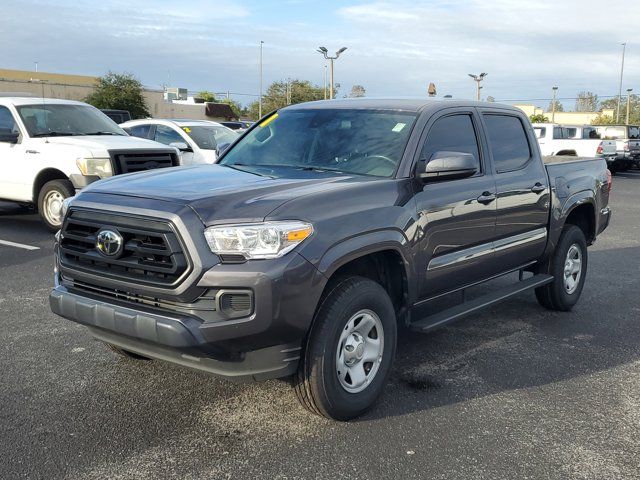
<point x="624" y="47"/>
<point x="478" y="79"/>
<point x="325" y="52"/>
<point x="629" y="90"/>
<point x="260" y="99"/>
<point x="36" y="66"/>
<point x="553" y="104"/>
<point x="325" y="81"/>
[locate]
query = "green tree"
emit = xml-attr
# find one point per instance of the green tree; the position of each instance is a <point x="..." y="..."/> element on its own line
<point x="235" y="106"/>
<point x="357" y="91"/>
<point x="558" y="104"/>
<point x="207" y="96"/>
<point x="538" y="118"/>
<point x="603" y="120"/>
<point x="120" y="91"/>
<point x="276" y="95"/>
<point x="634" y="108"/>
<point x="587" y="102"/>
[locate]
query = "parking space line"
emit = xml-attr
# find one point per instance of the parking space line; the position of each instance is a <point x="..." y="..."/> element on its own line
<point x="18" y="245"/>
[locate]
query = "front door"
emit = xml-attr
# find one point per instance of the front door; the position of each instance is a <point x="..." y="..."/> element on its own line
<point x="522" y="189"/>
<point x="13" y="177"/>
<point x="456" y="217"/>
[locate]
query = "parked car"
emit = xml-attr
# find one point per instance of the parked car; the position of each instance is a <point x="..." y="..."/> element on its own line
<point x="319" y="233"/>
<point x="197" y="140"/>
<point x="118" y="116"/>
<point x="240" y="125"/>
<point x="574" y="140"/>
<point x="627" y="140"/>
<point x="52" y="148"/>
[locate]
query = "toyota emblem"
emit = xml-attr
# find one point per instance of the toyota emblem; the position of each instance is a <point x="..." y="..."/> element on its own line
<point x="109" y="243"/>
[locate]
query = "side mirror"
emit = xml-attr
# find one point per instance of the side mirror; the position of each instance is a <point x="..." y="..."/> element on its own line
<point x="183" y="147"/>
<point x="446" y="165"/>
<point x="8" y="136"/>
<point x="222" y="148"/>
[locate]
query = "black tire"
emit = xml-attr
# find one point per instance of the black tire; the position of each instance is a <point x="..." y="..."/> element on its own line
<point x="62" y="187"/>
<point x="316" y="383"/>
<point x="555" y="296"/>
<point x="125" y="353"/>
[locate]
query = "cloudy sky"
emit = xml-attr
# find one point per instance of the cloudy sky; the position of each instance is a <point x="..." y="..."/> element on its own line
<point x="394" y="48"/>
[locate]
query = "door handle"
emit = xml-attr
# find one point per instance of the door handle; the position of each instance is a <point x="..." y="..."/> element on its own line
<point x="538" y="188"/>
<point x="486" y="197"/>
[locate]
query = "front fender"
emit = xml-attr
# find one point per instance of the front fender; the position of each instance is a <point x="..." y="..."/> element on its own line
<point x="364" y="244"/>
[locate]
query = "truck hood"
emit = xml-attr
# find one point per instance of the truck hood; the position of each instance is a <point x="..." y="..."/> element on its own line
<point x="98" y="145"/>
<point x="220" y="194"/>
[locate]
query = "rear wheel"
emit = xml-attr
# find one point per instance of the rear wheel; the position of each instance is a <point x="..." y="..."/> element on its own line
<point x="125" y="353"/>
<point x="349" y="351"/>
<point x="50" y="200"/>
<point x="569" y="269"/>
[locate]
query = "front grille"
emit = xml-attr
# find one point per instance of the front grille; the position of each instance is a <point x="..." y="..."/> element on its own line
<point x="152" y="253"/>
<point x="129" y="162"/>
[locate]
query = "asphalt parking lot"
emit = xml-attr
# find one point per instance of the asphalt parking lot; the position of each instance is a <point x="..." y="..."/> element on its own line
<point x="517" y="392"/>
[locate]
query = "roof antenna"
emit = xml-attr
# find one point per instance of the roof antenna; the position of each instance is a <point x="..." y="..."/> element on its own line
<point x="44" y="115"/>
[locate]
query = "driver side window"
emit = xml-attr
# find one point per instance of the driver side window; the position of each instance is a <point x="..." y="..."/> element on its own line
<point x="7" y="122"/>
<point x="453" y="133"/>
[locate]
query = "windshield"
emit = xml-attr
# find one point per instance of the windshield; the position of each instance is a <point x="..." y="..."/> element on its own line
<point x="634" y="133"/>
<point x="66" y="119"/>
<point x="209" y="137"/>
<point x="366" y="142"/>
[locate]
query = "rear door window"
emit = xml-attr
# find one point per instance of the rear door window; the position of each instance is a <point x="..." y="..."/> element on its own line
<point x="167" y="135"/>
<point x="508" y="142"/>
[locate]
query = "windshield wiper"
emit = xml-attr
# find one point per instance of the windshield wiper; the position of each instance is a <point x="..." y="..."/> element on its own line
<point x="322" y="169"/>
<point x="103" y="133"/>
<point x="53" y="134"/>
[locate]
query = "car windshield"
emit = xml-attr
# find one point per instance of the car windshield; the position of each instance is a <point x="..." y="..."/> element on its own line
<point x="634" y="133"/>
<point x="42" y="120"/>
<point x="358" y="141"/>
<point x="208" y="137"/>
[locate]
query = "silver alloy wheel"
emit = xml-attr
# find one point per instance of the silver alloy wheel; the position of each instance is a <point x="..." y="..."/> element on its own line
<point x="572" y="269"/>
<point x="359" y="352"/>
<point x="52" y="207"/>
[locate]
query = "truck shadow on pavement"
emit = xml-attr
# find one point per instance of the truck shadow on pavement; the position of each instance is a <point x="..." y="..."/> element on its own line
<point x="520" y="345"/>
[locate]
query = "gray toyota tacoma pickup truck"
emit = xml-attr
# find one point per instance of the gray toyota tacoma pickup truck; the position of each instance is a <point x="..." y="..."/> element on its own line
<point x="319" y="233"/>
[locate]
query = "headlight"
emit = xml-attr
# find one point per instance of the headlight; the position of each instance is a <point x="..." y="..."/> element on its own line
<point x="95" y="166"/>
<point x="257" y="241"/>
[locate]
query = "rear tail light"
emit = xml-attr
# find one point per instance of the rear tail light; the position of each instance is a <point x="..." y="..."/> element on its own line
<point x="609" y="181"/>
<point x="599" y="149"/>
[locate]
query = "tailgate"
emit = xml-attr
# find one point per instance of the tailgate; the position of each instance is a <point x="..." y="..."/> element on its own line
<point x="608" y="147"/>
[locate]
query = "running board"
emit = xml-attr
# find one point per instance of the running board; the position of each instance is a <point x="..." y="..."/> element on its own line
<point x="454" y="313"/>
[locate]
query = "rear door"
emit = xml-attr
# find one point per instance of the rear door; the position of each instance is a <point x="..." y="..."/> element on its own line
<point x="456" y="217"/>
<point x="522" y="188"/>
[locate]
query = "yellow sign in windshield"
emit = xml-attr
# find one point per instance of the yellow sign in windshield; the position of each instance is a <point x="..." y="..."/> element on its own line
<point x="268" y="120"/>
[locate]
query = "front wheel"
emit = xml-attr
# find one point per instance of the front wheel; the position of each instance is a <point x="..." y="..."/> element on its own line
<point x="50" y="202"/>
<point x="349" y="351"/>
<point x="569" y="270"/>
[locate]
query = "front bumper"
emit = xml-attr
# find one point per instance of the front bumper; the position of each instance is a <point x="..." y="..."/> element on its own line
<point x="174" y="339"/>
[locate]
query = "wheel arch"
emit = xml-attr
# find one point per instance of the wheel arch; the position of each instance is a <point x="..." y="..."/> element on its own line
<point x="382" y="256"/>
<point x="43" y="177"/>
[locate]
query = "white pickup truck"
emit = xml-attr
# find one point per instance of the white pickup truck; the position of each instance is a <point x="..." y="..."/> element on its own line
<point x="627" y="141"/>
<point x="575" y="140"/>
<point x="50" y="148"/>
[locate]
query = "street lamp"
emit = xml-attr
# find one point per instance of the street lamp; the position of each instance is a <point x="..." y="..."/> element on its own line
<point x="326" y="55"/>
<point x="478" y="79"/>
<point x="553" y="104"/>
<point x="260" y="99"/>
<point x="624" y="47"/>
<point x="629" y="90"/>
